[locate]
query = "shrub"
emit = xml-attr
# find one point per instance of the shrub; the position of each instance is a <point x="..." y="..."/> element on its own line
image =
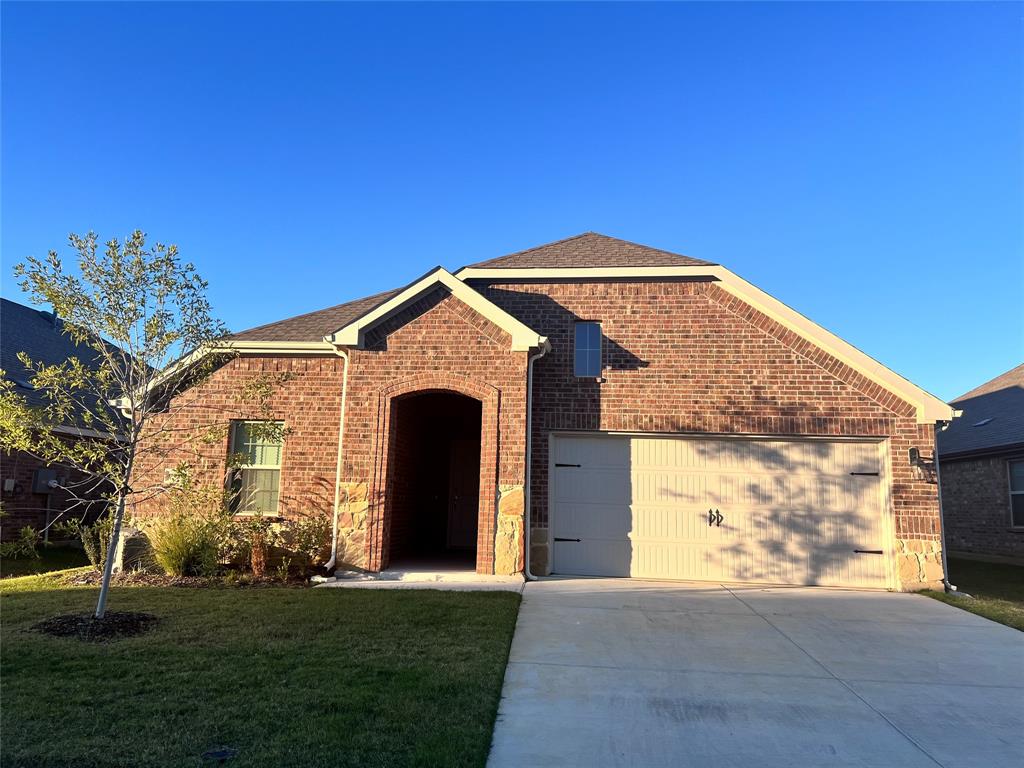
<point x="184" y="545"/>
<point x="306" y="539"/>
<point x="95" y="540"/>
<point x="25" y="546"/>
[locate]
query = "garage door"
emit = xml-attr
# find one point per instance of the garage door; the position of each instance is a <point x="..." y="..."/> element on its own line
<point x="771" y="511"/>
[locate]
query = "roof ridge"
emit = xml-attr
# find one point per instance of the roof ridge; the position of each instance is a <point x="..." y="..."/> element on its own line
<point x="591" y="240"/>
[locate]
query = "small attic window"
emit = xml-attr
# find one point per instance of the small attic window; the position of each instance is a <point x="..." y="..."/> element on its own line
<point x="983" y="422"/>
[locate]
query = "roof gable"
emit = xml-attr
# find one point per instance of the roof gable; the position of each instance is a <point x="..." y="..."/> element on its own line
<point x="590" y="249"/>
<point x="353" y="333"/>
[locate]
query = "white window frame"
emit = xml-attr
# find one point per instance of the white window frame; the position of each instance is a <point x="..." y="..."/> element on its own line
<point x="231" y="452"/>
<point x="600" y="349"/>
<point x="1009" y="488"/>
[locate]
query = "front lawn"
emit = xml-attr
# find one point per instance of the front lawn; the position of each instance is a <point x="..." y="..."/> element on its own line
<point x="51" y="558"/>
<point x="997" y="590"/>
<point x="288" y="677"/>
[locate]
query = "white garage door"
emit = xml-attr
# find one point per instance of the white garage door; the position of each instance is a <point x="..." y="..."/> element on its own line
<point x="771" y="511"/>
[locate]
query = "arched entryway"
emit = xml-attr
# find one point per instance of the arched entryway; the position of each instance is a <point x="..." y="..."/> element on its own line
<point x="433" y="471"/>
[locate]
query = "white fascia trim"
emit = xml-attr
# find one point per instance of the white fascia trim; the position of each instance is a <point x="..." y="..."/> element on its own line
<point x="277" y="347"/>
<point x="523" y="338"/>
<point x="929" y="407"/>
<point x="242" y="348"/>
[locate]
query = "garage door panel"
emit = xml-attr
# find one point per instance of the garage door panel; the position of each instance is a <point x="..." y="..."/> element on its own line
<point x="791" y="512"/>
<point x="594" y="452"/>
<point x="598" y="558"/>
<point x="592" y="485"/>
<point x="594" y="521"/>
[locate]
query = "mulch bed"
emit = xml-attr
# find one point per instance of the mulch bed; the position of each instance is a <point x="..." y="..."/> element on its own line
<point x="93" y="578"/>
<point x="84" y="626"/>
<point x="136" y="579"/>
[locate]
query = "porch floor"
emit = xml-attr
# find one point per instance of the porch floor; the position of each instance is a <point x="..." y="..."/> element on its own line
<point x="424" y="574"/>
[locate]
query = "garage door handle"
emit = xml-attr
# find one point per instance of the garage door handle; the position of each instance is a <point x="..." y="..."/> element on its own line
<point x="566" y="465"/>
<point x="715" y="518"/>
<point x="868" y="551"/>
<point x="559" y="539"/>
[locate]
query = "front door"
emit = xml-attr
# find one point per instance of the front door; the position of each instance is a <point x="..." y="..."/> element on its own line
<point x="463" y="493"/>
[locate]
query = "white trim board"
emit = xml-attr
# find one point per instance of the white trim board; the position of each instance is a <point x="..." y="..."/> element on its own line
<point x="353" y="334"/>
<point x="929" y="407"/>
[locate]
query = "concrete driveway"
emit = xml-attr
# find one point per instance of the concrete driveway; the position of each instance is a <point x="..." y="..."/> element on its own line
<point x="610" y="672"/>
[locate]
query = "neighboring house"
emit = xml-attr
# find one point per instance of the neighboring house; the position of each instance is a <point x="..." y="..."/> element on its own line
<point x="28" y="499"/>
<point x="982" y="469"/>
<point x="656" y="415"/>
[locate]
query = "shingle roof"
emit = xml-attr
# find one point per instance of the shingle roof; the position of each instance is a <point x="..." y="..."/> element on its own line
<point x="993" y="417"/>
<point x="590" y="249"/>
<point x="313" y="326"/>
<point x="587" y="250"/>
<point x="40" y="336"/>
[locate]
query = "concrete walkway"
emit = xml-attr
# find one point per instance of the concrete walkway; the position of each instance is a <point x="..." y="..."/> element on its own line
<point x="607" y="672"/>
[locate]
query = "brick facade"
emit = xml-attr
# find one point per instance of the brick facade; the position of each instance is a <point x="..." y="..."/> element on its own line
<point x="24" y="508"/>
<point x="976" y="507"/>
<point x="308" y="403"/>
<point x="687" y="356"/>
<point x="683" y="356"/>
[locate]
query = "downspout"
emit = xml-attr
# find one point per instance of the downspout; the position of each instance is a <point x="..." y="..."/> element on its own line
<point x="337" y="472"/>
<point x="947" y="586"/>
<point x="527" y="513"/>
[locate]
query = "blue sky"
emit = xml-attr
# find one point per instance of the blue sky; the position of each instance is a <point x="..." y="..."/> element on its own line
<point x="864" y="163"/>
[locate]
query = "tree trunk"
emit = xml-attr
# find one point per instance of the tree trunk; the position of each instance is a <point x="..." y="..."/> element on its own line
<point x="108" y="566"/>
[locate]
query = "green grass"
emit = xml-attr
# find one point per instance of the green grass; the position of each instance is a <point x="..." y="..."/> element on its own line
<point x="289" y="677"/>
<point x="997" y="590"/>
<point x="55" y="558"/>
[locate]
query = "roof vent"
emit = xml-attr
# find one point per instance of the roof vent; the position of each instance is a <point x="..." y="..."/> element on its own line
<point x="983" y="422"/>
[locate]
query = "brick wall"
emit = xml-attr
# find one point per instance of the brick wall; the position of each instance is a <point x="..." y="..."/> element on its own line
<point x="309" y="406"/>
<point x="976" y="505"/>
<point x="437" y="343"/>
<point x="23" y="508"/>
<point x="680" y="357"/>
<point x="687" y="356"/>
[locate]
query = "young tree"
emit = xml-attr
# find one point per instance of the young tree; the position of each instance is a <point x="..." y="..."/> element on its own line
<point x="145" y="316"/>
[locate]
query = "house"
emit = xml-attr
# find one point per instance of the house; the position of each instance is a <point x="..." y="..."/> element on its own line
<point x="655" y="414"/>
<point x="981" y="465"/>
<point x="28" y="497"/>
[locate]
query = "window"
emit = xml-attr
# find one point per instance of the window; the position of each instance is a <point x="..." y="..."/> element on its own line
<point x="588" y="350"/>
<point x="254" y="486"/>
<point x="1016" y="471"/>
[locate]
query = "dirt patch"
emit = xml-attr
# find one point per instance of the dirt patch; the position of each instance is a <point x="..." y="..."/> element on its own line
<point x="84" y="626"/>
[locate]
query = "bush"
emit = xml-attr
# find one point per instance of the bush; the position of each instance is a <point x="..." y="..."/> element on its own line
<point x="95" y="540"/>
<point x="185" y="545"/>
<point x="307" y="540"/>
<point x="25" y="546"/>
